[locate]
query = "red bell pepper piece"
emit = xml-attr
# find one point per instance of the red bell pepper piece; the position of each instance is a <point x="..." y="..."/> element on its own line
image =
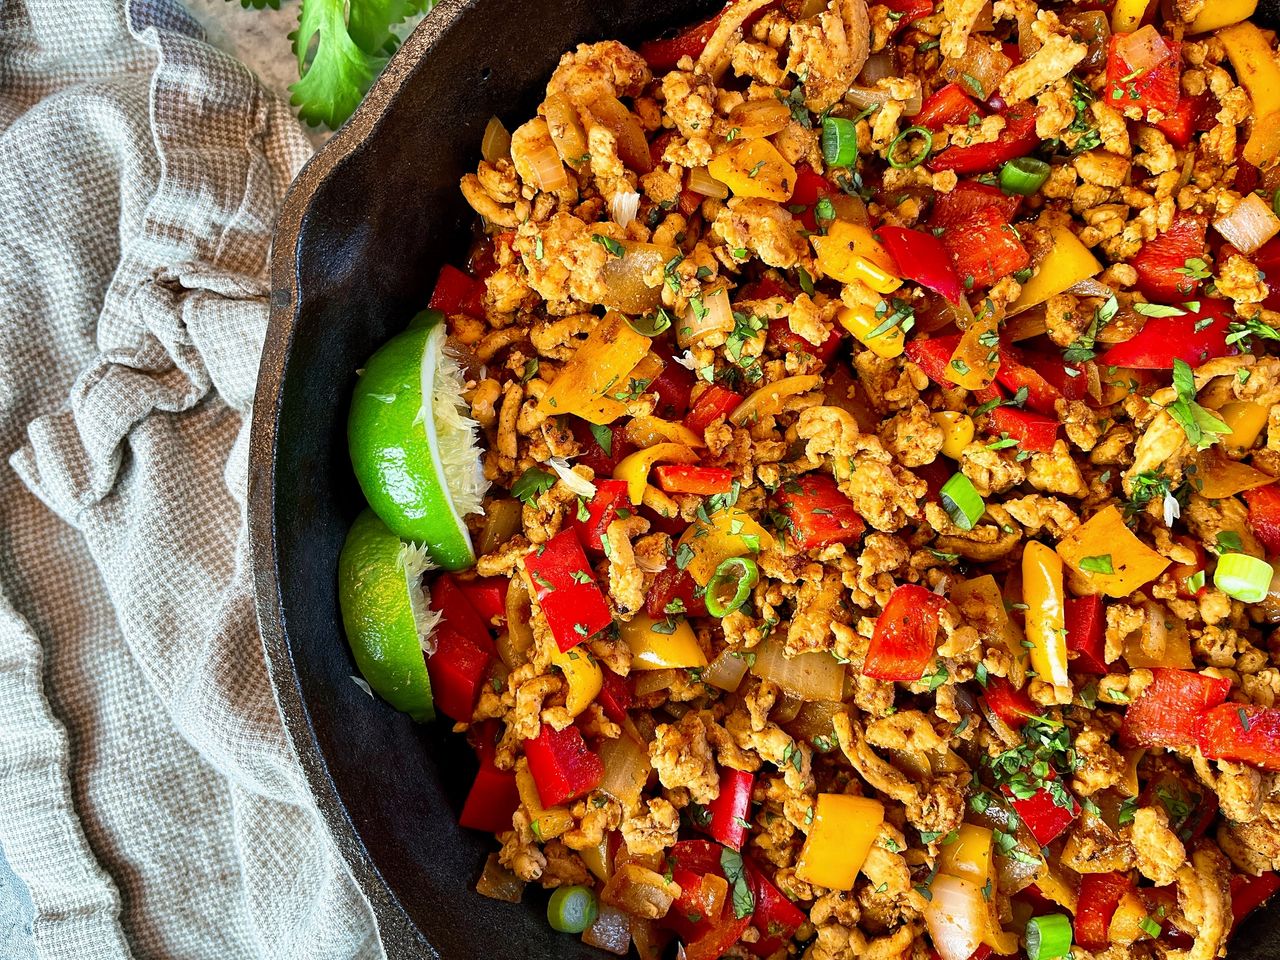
<point x="935" y="475"/>
<point x="1179" y="125"/>
<point x="672" y="388"/>
<point x="1249" y="893"/>
<point x="684" y="478"/>
<point x="493" y="797"/>
<point x="1010" y="704"/>
<point x="448" y="599"/>
<point x="615" y="696"/>
<point x="1180" y="573"/>
<point x="1249" y="734"/>
<point x="1191" y="808"/>
<point x="956" y="208"/>
<point x="820" y="514"/>
<point x="600" y="460"/>
<point x="985" y="249"/>
<point x="1264" y="516"/>
<point x="924" y="258"/>
<point x="566" y="590"/>
<point x="809" y="189"/>
<point x="1100" y="895"/>
<point x="933" y="355"/>
<point x="1086" y="634"/>
<point x="674" y="591"/>
<point x="727" y="813"/>
<point x="949" y="104"/>
<point x="1159" y="88"/>
<point x="457" y="670"/>
<point x="1014" y="373"/>
<point x="700" y="856"/>
<point x="715" y="942"/>
<point x="905" y="633"/>
<point x="714" y="402"/>
<point x="1165" y="339"/>
<point x="1164" y="715"/>
<point x="663" y="54"/>
<point x="776" y="917"/>
<point x="1031" y="430"/>
<point x="1018" y="139"/>
<point x="1159" y="261"/>
<point x="456" y="292"/>
<point x="611" y="496"/>
<point x="1072" y="386"/>
<point x="783" y="339"/>
<point x="1267" y="259"/>
<point x="563" y="768"/>
<point x="487" y="596"/>
<point x="911" y="10"/>
<point x="690" y="914"/>
<point x="1041" y="813"/>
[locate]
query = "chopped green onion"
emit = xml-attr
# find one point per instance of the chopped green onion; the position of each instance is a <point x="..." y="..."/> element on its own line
<point x="1243" y="577"/>
<point x="839" y="142"/>
<point x="1048" y="937"/>
<point x="1150" y="926"/>
<point x="1275" y="201"/>
<point x="962" y="503"/>
<point x="1023" y="176"/>
<point x="730" y="585"/>
<point x="1195" y="582"/>
<point x="919" y="158"/>
<point x="572" y="909"/>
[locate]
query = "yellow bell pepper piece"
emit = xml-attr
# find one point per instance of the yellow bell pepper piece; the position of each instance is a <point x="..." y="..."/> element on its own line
<point x="582" y="676"/>
<point x="1129" y="785"/>
<point x="862" y="321"/>
<point x="1126" y="922"/>
<point x="1126" y="15"/>
<point x="1046" y="628"/>
<point x="1263" y="148"/>
<point x="1222" y="13"/>
<point x="839" y="840"/>
<point x="661" y="644"/>
<point x="596" y="859"/>
<point x="1255" y="66"/>
<point x="957" y="432"/>
<point x="1104" y="538"/>
<point x="1246" y="420"/>
<point x="726" y="533"/>
<point x="598" y="369"/>
<point x="849" y="252"/>
<point x="649" y="431"/>
<point x="969" y="857"/>
<point x="1054" y="885"/>
<point x="986" y="591"/>
<point x="768" y="399"/>
<point x="754" y="168"/>
<point x="976" y="358"/>
<point x="547" y="822"/>
<point x="1067" y="263"/>
<point x="634" y="468"/>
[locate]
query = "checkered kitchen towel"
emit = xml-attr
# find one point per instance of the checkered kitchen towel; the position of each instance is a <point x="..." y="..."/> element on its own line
<point x="148" y="796"/>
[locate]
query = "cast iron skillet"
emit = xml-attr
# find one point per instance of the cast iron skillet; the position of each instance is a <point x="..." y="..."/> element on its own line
<point x="363" y="232"/>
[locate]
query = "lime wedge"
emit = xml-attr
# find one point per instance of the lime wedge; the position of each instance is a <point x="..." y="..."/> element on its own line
<point x="414" y="449"/>
<point x="386" y="613"/>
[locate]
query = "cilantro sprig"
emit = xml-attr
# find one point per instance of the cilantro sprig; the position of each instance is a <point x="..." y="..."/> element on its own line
<point x="1202" y="427"/>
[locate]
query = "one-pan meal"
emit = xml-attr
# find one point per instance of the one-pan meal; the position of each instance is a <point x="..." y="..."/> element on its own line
<point x="836" y="493"/>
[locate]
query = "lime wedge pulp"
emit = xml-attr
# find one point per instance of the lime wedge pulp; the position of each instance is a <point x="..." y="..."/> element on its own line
<point x="386" y="613"/>
<point x="414" y="449"/>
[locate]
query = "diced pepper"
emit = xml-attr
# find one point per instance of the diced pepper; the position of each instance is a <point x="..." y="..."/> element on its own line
<point x="493" y="797"/>
<point x="611" y="496"/>
<point x="969" y="855"/>
<point x="957" y="432"/>
<point x="650" y="431"/>
<point x="456" y="292"/>
<point x="1249" y="734"/>
<point x="1191" y="808"/>
<point x="726" y="533"/>
<point x="695" y="911"/>
<point x="727" y="813"/>
<point x="595" y="456"/>
<point x="718" y="940"/>
<point x="672" y="388"/>
<point x="933" y="355"/>
<point x="923" y="258"/>
<point x="1249" y="893"/>
<point x="582" y="676"/>
<point x="1163" y="273"/>
<point x="562" y="766"/>
<point x="1255" y="65"/>
<point x="819" y="513"/>
<point x="1073" y="385"/>
<point x="911" y="10"/>
<point x="1164" y="715"/>
<point x="674" y="592"/>
<point x="715" y="402"/>
<point x="667" y="644"/>
<point x="810" y="188"/>
<point x="1157" y="89"/>
<point x="754" y="168"/>
<point x="1127" y="926"/>
<point x="1194" y="337"/>
<point x="1106" y="539"/>
<point x="1247" y="420"/>
<point x="956" y="208"/>
<point x="456" y="610"/>
<point x="1042" y="814"/>
<point x="783" y="339"/>
<point x="1086" y="634"/>
<point x="680" y="478"/>
<point x="1014" y="373"/>
<point x="849" y="252"/>
<point x="975" y="361"/>
<point x="566" y="590"/>
<point x="839" y="840"/>
<point x="1017" y="140"/>
<point x="1100" y="894"/>
<point x="986" y="249"/>
<point x="862" y="321"/>
<point x="949" y="104"/>
<point x="457" y="670"/>
<point x="902" y="643"/>
<point x="1010" y="704"/>
<point x="1067" y="262"/>
<point x="663" y="54"/>
<point x="1179" y="125"/>
<point x="615" y="696"/>
<point x="599" y="366"/>
<point x="1127" y="15"/>
<point x="1264" y="516"/>
<point x="1222" y="13"/>
<point x="776" y="917"/>
<point x="635" y="467"/>
<point x="487" y="596"/>
<point x="1042" y="591"/>
<point x="1190" y="578"/>
<point x="1032" y="431"/>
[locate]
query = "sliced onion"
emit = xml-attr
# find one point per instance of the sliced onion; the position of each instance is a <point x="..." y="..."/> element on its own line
<point x="518" y="640"/>
<point x="496" y="142"/>
<point x="566" y="130"/>
<point x="1090" y="287"/>
<point x="1093" y="28"/>
<point x="1144" y="50"/>
<point x="499" y="883"/>
<point x="956" y="915"/>
<point x="809" y="676"/>
<point x="1025" y="325"/>
<point x="576" y="484"/>
<point x="1013" y="873"/>
<point x="985" y="21"/>
<point x="716" y="317"/>
<point x="633" y="148"/>
<point x="1249" y="225"/>
<point x="815" y="720"/>
<point x="864" y="97"/>
<point x="611" y="931"/>
<point x="1027" y="42"/>
<point x="755" y="119"/>
<point x="768" y="400"/>
<point x="726" y="671"/>
<point x="633" y="281"/>
<point x="650" y="681"/>
<point x="542" y="163"/>
<point x="704" y="184"/>
<point x="913" y="104"/>
<point x="879" y="66"/>
<point x="501" y="523"/>
<point x="626" y="770"/>
<point x="624" y="206"/>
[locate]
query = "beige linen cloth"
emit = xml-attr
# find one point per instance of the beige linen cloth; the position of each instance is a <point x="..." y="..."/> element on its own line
<point x="148" y="795"/>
